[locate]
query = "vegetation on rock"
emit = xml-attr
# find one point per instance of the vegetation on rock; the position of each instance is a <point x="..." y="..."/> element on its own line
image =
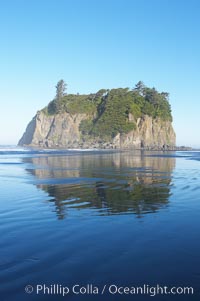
<point x="114" y="111"/>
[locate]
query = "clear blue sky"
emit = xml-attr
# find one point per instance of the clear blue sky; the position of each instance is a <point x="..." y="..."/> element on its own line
<point x="98" y="44"/>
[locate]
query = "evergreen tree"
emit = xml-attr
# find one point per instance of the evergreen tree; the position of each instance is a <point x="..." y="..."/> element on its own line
<point x="60" y="89"/>
<point x="139" y="87"/>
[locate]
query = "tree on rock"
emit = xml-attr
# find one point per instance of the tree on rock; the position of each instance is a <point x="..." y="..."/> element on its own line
<point x="140" y="87"/>
<point x="60" y="89"/>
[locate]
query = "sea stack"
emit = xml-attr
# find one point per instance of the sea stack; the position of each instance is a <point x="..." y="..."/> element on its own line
<point x="118" y="118"/>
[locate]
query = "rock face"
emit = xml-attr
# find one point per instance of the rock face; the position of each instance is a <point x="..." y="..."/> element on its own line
<point x="62" y="130"/>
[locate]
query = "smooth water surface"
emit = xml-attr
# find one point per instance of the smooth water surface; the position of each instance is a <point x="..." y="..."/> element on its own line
<point x="98" y="217"/>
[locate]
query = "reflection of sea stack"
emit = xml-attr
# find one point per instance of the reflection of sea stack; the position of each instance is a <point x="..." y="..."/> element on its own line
<point x="111" y="183"/>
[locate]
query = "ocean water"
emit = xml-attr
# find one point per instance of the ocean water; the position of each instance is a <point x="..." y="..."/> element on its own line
<point x="89" y="220"/>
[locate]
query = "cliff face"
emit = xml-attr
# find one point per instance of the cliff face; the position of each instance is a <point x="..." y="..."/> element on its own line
<point x="62" y="130"/>
<point x="149" y="133"/>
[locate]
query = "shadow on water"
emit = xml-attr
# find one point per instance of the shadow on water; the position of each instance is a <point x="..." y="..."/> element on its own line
<point x="105" y="183"/>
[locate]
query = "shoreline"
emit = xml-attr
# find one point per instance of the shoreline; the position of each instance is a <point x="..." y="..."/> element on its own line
<point x="170" y="149"/>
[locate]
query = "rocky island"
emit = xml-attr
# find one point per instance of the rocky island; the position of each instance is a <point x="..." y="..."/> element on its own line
<point x="138" y="118"/>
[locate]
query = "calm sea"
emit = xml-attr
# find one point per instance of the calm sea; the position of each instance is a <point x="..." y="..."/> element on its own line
<point x="97" y="224"/>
